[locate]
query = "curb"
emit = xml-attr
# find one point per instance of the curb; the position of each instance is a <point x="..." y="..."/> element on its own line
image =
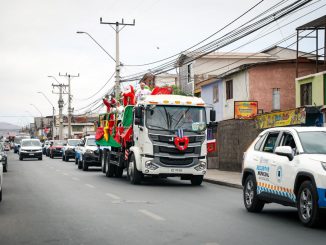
<point x="219" y="182"/>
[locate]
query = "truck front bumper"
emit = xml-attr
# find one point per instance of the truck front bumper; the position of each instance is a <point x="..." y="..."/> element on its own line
<point x="149" y="167"/>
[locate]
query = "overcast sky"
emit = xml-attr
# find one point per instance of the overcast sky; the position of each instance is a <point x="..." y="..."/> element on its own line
<point x="38" y="38"/>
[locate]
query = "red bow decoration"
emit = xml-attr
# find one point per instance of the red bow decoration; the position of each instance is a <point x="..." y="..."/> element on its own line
<point x="181" y="143"/>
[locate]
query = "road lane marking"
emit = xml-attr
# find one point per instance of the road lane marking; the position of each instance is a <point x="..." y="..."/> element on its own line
<point x="112" y="196"/>
<point x="74" y="178"/>
<point x="90" y="186"/>
<point x="151" y="215"/>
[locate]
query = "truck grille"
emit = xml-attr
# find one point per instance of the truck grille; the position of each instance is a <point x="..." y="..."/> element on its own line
<point x="169" y="161"/>
<point x="175" y="151"/>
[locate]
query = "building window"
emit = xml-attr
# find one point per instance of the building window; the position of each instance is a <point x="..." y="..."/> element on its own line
<point x="189" y="66"/>
<point x="77" y="128"/>
<point x="306" y="94"/>
<point x="229" y="89"/>
<point x="215" y="93"/>
<point x="276" y="99"/>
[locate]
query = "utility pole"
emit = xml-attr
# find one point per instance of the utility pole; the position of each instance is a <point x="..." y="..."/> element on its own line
<point x="116" y="27"/>
<point x="69" y="101"/>
<point x="60" y="104"/>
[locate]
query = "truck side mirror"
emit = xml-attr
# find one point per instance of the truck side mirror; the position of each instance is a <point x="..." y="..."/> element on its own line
<point x="138" y="112"/>
<point x="212" y="115"/>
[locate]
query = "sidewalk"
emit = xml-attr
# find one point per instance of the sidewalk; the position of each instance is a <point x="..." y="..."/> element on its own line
<point x="227" y="178"/>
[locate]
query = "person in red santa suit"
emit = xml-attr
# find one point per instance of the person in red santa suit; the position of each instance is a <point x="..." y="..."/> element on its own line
<point x="109" y="103"/>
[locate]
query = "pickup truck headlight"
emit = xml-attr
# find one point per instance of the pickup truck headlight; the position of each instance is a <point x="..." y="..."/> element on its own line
<point x="323" y="164"/>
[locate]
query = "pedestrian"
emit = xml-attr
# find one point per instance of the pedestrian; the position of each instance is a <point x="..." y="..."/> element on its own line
<point x="142" y="91"/>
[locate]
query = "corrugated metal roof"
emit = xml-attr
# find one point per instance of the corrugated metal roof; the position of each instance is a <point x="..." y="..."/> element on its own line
<point x="319" y="23"/>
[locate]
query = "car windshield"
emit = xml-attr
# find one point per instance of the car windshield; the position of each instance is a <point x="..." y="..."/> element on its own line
<point x="173" y="118"/>
<point x="31" y="143"/>
<point x="311" y="145"/>
<point x="59" y="143"/>
<point x="91" y="142"/>
<point x="73" y="142"/>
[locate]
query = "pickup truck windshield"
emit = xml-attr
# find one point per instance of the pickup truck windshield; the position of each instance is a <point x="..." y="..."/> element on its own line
<point x="31" y="143"/>
<point x="311" y="145"/>
<point x="73" y="142"/>
<point x="173" y="118"/>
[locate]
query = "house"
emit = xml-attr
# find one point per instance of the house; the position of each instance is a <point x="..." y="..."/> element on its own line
<point x="160" y="80"/>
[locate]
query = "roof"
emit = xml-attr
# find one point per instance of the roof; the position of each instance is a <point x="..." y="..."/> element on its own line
<point x="319" y="23"/>
<point x="298" y="129"/>
<point x="172" y="100"/>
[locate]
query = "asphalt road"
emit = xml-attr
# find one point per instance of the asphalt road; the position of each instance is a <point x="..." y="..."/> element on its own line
<point x="52" y="202"/>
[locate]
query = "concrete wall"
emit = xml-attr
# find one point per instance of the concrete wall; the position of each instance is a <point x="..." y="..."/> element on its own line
<point x="318" y="92"/>
<point x="185" y="86"/>
<point x="233" y="139"/>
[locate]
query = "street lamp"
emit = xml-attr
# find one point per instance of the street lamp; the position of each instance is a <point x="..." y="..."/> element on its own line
<point x="53" y="112"/>
<point x="83" y="32"/>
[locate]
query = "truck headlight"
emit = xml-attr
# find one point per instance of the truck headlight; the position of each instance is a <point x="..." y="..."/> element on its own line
<point x="150" y="165"/>
<point x="323" y="164"/>
<point x="201" y="166"/>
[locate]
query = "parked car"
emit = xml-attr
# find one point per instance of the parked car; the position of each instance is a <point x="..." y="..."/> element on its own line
<point x="88" y="153"/>
<point x="55" y="150"/>
<point x="30" y="148"/>
<point x="69" y="150"/>
<point x="3" y="158"/>
<point x="287" y="166"/>
<point x="1" y="178"/>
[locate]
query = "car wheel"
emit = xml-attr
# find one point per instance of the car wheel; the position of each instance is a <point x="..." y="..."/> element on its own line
<point x="20" y="157"/>
<point x="307" y="203"/>
<point x="135" y="176"/>
<point x="103" y="161"/>
<point x="109" y="166"/>
<point x="250" y="198"/>
<point x="196" y="179"/>
<point x="40" y="158"/>
<point x="85" y="166"/>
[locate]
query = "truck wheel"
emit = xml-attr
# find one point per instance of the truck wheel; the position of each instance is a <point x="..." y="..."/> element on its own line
<point x="109" y="167"/>
<point x="103" y="160"/>
<point x="85" y="166"/>
<point x="307" y="203"/>
<point x="250" y="199"/>
<point x="134" y="175"/>
<point x="118" y="172"/>
<point x="196" y="179"/>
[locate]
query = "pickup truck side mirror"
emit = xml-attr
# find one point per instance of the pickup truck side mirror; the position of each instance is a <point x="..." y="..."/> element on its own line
<point x="212" y="115"/>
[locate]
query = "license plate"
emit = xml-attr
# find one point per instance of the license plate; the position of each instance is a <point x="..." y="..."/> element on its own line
<point x="31" y="154"/>
<point x="176" y="170"/>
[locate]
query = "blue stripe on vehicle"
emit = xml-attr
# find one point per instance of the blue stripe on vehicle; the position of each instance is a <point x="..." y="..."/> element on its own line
<point x="322" y="197"/>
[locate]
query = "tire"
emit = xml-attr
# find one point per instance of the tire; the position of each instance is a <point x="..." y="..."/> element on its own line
<point x="250" y="198"/>
<point x="118" y="172"/>
<point x="85" y="166"/>
<point x="135" y="176"/>
<point x="21" y="158"/>
<point x="40" y="158"/>
<point x="110" y="168"/>
<point x="103" y="161"/>
<point x="63" y="158"/>
<point x="196" y="179"/>
<point x="5" y="168"/>
<point x="307" y="204"/>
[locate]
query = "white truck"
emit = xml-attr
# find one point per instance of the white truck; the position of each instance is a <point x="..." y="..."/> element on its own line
<point x="168" y="139"/>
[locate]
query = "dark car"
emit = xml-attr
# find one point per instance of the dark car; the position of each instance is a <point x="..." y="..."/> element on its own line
<point x="3" y="157"/>
<point x="55" y="150"/>
<point x="69" y="149"/>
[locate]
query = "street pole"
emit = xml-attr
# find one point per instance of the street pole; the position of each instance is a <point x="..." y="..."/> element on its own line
<point x="117" y="51"/>
<point x="69" y="102"/>
<point x="53" y="113"/>
<point x="60" y="105"/>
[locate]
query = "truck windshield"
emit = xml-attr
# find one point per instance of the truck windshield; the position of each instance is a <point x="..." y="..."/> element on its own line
<point x="91" y="142"/>
<point x="173" y="118"/>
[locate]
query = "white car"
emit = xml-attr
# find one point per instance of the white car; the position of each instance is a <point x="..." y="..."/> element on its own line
<point x="287" y="166"/>
<point x="68" y="151"/>
<point x="30" y="148"/>
<point x="1" y="178"/>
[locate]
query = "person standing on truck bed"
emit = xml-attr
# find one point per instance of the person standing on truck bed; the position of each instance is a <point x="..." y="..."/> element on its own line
<point x="142" y="91"/>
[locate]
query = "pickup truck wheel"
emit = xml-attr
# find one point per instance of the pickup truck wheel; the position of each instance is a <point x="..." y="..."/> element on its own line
<point x="196" y="179"/>
<point x="109" y="167"/>
<point x="307" y="203"/>
<point x="134" y="175"/>
<point x="85" y="166"/>
<point x="250" y="199"/>
<point x="21" y="158"/>
<point x="103" y="161"/>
